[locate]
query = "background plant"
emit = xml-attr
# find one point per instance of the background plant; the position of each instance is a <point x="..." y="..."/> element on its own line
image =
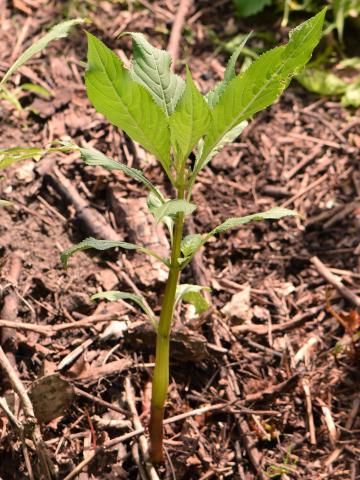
<point x="171" y="119"/>
<point x="8" y="156"/>
<point x="334" y="72"/>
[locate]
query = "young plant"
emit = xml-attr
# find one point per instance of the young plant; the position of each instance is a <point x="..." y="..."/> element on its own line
<point x="171" y="119"/>
<point x="8" y="156"/>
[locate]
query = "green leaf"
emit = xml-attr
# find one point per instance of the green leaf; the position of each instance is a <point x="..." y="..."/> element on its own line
<point x="102" y="245"/>
<point x="114" y="295"/>
<point x="9" y="156"/>
<point x="125" y="103"/>
<point x="273" y="214"/>
<point x="214" y="95"/>
<point x="190" y="244"/>
<point x="230" y="72"/>
<point x="10" y="97"/>
<point x="97" y="245"/>
<point x="262" y="83"/>
<point x="246" y="8"/>
<point x="341" y="10"/>
<point x="59" y="31"/>
<point x="172" y="207"/>
<point x="153" y="203"/>
<point x="321" y="82"/>
<point x="351" y="98"/>
<point x="31" y="87"/>
<point x="192" y="294"/>
<point x="228" y="138"/>
<point x="190" y="121"/>
<point x="92" y="156"/>
<point x="151" y="68"/>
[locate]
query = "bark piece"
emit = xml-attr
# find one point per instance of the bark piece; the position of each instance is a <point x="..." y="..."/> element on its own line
<point x="185" y="345"/>
<point x="11" y="274"/>
<point x="51" y="396"/>
<point x="92" y="222"/>
<point x="239" y="309"/>
<point x="93" y="374"/>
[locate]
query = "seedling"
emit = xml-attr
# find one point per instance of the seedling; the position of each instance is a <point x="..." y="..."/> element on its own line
<point x="11" y="155"/>
<point x="171" y="119"/>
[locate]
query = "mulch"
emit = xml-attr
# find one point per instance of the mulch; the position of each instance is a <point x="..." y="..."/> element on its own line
<point x="274" y="362"/>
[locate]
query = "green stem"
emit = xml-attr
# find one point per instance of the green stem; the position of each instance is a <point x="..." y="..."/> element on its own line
<point x="161" y="372"/>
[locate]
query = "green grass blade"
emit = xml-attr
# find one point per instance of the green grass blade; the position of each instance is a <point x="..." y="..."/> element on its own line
<point x="58" y="31"/>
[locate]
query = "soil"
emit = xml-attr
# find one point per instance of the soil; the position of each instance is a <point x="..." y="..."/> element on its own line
<point x="278" y="351"/>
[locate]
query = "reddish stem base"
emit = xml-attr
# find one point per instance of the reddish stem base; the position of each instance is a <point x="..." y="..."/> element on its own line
<point x="156" y="435"/>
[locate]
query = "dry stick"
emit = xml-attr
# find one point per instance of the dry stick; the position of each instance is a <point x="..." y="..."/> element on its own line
<point x="133" y="286"/>
<point x="306" y="388"/>
<point x="298" y="320"/>
<point x="246" y="434"/>
<point x="20" y="39"/>
<point x="333" y="434"/>
<point x="43" y="330"/>
<point x="138" y="461"/>
<point x="323" y="216"/>
<point x="307" y="189"/>
<point x="100" y="401"/>
<point x="346" y="273"/>
<point x="175" y="35"/>
<point x="304" y="163"/>
<point x="333" y="280"/>
<point x="156" y="10"/>
<point x="89" y="323"/>
<point x="182" y="416"/>
<point x="93" y="222"/>
<point x="271" y="391"/>
<point x="320" y="141"/>
<point x="344" y="212"/>
<point x="327" y="124"/>
<point x="20" y="429"/>
<point x="11" y="272"/>
<point x="109" y="444"/>
<point x="74" y="354"/>
<point x="353" y="412"/>
<point x="49" y="331"/>
<point x="130" y="397"/>
<point x="45" y="462"/>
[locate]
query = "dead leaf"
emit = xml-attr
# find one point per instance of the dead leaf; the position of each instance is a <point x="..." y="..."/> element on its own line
<point x="50" y="396"/>
<point x="239" y="309"/>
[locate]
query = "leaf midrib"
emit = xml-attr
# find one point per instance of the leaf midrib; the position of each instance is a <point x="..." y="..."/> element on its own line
<point x="162" y="91"/>
<point x="123" y="103"/>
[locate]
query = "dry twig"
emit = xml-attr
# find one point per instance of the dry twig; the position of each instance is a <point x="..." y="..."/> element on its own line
<point x="333" y="280"/>
<point x="175" y="36"/>
<point x="306" y="388"/>
<point x="46" y="464"/>
<point x="144" y="448"/>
